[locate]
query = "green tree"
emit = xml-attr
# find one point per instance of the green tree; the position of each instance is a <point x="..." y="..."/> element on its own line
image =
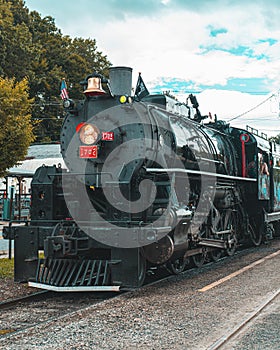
<point x="15" y="122"/>
<point x="6" y="22"/>
<point x="15" y="41"/>
<point x="82" y="60"/>
<point x="33" y="47"/>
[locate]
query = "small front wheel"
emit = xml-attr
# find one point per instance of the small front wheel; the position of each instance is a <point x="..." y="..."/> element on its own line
<point x="177" y="266"/>
<point x="199" y="259"/>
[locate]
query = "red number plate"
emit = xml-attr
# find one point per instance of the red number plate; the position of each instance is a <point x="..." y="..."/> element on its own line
<point x="88" y="151"/>
<point x="108" y="136"/>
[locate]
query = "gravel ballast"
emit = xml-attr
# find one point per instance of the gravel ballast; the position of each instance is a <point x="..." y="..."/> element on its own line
<point x="172" y="314"/>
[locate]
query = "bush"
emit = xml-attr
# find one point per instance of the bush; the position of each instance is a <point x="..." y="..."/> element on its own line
<point x="6" y="268"/>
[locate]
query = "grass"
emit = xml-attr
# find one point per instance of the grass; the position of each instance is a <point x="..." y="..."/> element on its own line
<point x="6" y="268"/>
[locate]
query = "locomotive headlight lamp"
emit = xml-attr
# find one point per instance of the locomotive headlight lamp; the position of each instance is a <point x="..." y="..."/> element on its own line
<point x="88" y="134"/>
<point x="67" y="103"/>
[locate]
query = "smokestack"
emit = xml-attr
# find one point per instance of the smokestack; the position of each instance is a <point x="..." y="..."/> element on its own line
<point x="120" y="80"/>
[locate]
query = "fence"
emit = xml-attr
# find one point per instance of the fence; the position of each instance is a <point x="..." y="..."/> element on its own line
<point x="16" y="207"/>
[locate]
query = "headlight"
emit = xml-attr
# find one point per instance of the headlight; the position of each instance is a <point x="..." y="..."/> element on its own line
<point x="68" y="103"/>
<point x="88" y="134"/>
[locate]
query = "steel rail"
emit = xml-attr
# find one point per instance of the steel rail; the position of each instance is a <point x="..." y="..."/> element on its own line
<point x="226" y="338"/>
<point x="11" y="302"/>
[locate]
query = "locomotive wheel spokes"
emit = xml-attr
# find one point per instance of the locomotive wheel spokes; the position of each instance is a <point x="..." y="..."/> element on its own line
<point x="199" y="259"/>
<point x="215" y="255"/>
<point x="177" y="266"/>
<point x="231" y="244"/>
<point x="231" y="239"/>
<point x="141" y="268"/>
<point x="255" y="235"/>
<point x="217" y="223"/>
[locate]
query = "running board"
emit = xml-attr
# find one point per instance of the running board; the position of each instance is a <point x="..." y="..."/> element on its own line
<point x="215" y="243"/>
<point x="74" y="288"/>
<point x="271" y="217"/>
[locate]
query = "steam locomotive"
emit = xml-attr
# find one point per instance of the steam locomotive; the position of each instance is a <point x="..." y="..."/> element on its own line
<point x="148" y="184"/>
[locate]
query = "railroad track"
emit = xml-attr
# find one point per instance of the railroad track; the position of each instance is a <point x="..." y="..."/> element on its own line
<point x="26" y="298"/>
<point x="249" y="320"/>
<point x="40" y="308"/>
<point x="43" y="307"/>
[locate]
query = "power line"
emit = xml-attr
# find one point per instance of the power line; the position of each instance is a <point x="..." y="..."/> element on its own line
<point x="270" y="130"/>
<point x="194" y="91"/>
<point x="253" y="108"/>
<point x="260" y="119"/>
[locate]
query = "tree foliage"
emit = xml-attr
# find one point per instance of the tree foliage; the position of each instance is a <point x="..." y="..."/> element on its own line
<point x="33" y="47"/>
<point x="15" y="122"/>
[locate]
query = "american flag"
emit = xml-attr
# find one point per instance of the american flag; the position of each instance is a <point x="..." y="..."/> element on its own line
<point x="63" y="90"/>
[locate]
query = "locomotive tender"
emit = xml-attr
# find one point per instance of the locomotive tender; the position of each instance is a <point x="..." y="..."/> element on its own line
<point x="147" y="185"/>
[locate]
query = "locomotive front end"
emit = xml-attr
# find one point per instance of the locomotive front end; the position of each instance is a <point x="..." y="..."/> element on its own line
<point x="108" y="140"/>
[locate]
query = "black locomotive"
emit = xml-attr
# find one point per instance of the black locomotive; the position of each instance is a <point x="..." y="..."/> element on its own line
<point x="148" y="183"/>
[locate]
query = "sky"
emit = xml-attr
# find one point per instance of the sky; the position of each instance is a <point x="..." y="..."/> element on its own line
<point x="224" y="51"/>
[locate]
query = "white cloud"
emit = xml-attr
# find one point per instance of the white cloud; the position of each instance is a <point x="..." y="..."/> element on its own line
<point x="165" y="38"/>
<point x="169" y="45"/>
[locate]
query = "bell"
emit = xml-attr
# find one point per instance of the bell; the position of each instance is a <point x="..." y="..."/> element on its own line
<point x="94" y="86"/>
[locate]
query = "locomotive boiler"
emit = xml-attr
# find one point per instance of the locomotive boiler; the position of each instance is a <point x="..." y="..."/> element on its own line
<point x="148" y="184"/>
